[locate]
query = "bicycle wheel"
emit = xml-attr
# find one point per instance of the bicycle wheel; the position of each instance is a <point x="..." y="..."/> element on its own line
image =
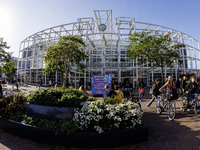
<point x="183" y="103"/>
<point x="171" y="110"/>
<point x="159" y="110"/>
<point x="196" y="110"/>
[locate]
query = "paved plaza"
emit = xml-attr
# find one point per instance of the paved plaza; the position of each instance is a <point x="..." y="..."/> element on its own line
<point x="181" y="134"/>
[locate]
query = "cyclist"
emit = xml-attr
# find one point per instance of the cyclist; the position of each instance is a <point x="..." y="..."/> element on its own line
<point x="156" y="92"/>
<point x="191" y="89"/>
<point x="170" y="86"/>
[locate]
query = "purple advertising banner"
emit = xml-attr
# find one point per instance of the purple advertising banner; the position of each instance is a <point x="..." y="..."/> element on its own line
<point x="99" y="82"/>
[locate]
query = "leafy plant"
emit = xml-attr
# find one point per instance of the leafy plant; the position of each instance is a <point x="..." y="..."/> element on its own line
<point x="110" y="100"/>
<point x="48" y="97"/>
<point x="67" y="126"/>
<point x="73" y="98"/>
<point x="1" y="96"/>
<point x="58" y="97"/>
<point x="13" y="108"/>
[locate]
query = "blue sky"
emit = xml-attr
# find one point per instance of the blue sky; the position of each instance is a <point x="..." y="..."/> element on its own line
<point x="22" y="18"/>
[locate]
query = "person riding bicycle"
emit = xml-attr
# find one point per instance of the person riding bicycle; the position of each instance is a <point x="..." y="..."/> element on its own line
<point x="191" y="88"/>
<point x="155" y="92"/>
<point x="170" y="87"/>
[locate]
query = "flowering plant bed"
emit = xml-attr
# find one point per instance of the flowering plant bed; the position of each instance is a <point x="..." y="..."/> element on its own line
<point x="77" y="139"/>
<point x="94" y="123"/>
<point x="106" y="115"/>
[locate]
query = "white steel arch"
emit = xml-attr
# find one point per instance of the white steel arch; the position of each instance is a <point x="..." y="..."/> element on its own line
<point x="106" y="49"/>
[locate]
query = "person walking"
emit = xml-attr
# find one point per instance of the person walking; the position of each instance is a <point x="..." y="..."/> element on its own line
<point x="17" y="83"/>
<point x="141" y="89"/>
<point x="155" y="92"/>
<point x="40" y="82"/>
<point x="50" y="83"/>
<point x="12" y="82"/>
<point x="37" y="83"/>
<point x="183" y="84"/>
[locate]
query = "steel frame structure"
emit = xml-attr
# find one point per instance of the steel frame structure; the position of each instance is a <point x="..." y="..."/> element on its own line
<point x="106" y="50"/>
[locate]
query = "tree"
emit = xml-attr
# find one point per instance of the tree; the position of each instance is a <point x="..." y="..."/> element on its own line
<point x="4" y="56"/>
<point x="67" y="52"/>
<point x="158" y="49"/>
<point x="9" y="69"/>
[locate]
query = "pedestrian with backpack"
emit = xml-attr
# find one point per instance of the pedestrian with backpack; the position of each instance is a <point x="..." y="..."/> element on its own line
<point x="155" y="92"/>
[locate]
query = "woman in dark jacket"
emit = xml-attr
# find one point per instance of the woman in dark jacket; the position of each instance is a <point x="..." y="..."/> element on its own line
<point x="156" y="92"/>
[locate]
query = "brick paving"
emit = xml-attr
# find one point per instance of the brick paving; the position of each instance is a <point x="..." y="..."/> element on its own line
<point x="181" y="134"/>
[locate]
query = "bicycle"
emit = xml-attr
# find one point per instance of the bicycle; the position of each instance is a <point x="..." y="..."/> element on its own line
<point x="196" y="105"/>
<point x="169" y="105"/>
<point x="184" y="101"/>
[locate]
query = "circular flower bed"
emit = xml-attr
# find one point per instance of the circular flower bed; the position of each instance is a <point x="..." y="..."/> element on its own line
<point x="102" y="117"/>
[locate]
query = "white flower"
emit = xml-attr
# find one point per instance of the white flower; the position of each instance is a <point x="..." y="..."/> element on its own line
<point x="93" y="112"/>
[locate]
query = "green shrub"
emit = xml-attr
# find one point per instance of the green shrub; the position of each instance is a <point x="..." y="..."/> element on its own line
<point x="13" y="108"/>
<point x="58" y="97"/>
<point x="1" y="96"/>
<point x="67" y="126"/>
<point x="47" y="97"/>
<point x="112" y="101"/>
<point x="72" y="98"/>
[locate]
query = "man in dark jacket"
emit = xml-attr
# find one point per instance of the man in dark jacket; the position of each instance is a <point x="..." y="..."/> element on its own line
<point x="155" y="89"/>
<point x="191" y="88"/>
<point x="183" y="84"/>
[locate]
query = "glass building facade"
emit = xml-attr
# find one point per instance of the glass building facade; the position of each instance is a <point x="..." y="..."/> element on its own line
<point x="106" y="42"/>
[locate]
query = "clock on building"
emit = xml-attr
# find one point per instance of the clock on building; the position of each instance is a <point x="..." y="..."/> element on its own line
<point x="102" y="27"/>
